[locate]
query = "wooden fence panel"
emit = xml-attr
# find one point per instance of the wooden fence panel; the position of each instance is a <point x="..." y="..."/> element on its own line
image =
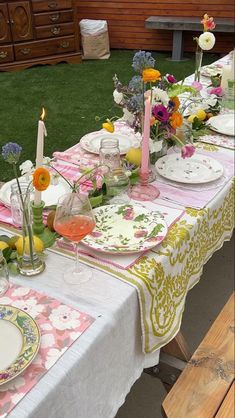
<point x="126" y="21"/>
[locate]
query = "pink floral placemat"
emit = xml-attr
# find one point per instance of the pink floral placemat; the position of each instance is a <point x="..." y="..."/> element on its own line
<point x="60" y="325"/>
<point x="224" y="141"/>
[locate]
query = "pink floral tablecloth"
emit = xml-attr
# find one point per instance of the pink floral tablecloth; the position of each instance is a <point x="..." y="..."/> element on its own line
<point x="60" y="326"/>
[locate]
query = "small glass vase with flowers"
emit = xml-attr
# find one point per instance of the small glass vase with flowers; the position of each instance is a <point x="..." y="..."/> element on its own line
<point x="205" y="42"/>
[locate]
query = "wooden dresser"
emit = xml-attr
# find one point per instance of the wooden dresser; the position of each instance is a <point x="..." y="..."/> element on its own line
<point x="38" y="32"/>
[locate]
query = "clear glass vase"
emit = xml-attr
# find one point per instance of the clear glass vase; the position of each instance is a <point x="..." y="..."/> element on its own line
<point x="198" y="65"/>
<point x="29" y="262"/>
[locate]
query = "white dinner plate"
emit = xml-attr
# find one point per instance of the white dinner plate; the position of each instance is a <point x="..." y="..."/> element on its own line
<point x="91" y="142"/>
<point x="224" y="124"/>
<point x="125" y="229"/>
<point x="211" y="70"/>
<point x="198" y="169"/>
<point x="20" y="340"/>
<point x="50" y="196"/>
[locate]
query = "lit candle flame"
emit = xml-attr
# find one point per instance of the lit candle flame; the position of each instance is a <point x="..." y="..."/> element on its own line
<point x="43" y="114"/>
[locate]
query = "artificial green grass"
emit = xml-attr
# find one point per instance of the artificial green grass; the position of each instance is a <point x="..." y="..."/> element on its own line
<point x="72" y="95"/>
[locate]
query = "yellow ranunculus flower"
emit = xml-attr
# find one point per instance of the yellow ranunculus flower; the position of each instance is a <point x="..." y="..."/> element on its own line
<point x="151" y="75"/>
<point x="109" y="126"/>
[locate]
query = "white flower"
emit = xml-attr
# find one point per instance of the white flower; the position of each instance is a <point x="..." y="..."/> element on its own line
<point x="211" y="100"/>
<point x="21" y="291"/>
<point x="26" y="167"/>
<point x="52" y="356"/>
<point x="206" y="41"/>
<point x="47" y="340"/>
<point x="118" y="96"/>
<point x="46" y="327"/>
<point x="30" y="306"/>
<point x="46" y="160"/>
<point x="127" y="116"/>
<point x="64" y="317"/>
<point x="159" y="95"/>
<point x="155" y="146"/>
<point x="14" y="384"/>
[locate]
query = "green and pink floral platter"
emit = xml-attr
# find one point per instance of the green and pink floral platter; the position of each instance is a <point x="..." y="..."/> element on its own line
<point x="126" y="229"/>
<point x="20" y="341"/>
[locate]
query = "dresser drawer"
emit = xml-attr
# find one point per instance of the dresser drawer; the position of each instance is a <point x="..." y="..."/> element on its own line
<point x="63" y="16"/>
<point x="6" y="53"/>
<point x="28" y="50"/>
<point x="53" y="31"/>
<point x="50" y="5"/>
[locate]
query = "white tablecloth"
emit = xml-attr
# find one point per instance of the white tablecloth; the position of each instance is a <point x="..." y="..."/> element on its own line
<point x="93" y="377"/>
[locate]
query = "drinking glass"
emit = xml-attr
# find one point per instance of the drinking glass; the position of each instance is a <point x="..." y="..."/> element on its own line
<point x="74" y="220"/>
<point x="4" y="275"/>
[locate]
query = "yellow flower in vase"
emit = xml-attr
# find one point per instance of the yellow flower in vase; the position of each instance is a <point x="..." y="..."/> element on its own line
<point x="150" y="75"/>
<point x="41" y="179"/>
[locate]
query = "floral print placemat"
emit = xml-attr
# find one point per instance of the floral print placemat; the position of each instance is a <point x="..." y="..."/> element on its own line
<point x="60" y="325"/>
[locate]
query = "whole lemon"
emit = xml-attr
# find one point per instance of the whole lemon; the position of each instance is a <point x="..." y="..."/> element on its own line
<point x="201" y="114"/>
<point x="191" y="118"/>
<point x="38" y="245"/>
<point x="133" y="156"/>
<point x="3" y="245"/>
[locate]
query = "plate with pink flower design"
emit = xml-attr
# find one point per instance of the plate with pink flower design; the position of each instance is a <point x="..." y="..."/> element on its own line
<point x="197" y="169"/>
<point x="126" y="229"/>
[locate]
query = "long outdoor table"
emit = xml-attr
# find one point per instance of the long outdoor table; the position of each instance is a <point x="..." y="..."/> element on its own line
<point x="94" y="375"/>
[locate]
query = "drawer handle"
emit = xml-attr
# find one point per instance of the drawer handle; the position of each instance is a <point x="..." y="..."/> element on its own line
<point x="25" y="51"/>
<point x="3" y="54"/>
<point x="54" y="17"/>
<point x="55" y="30"/>
<point x="64" y="44"/>
<point x="52" y="5"/>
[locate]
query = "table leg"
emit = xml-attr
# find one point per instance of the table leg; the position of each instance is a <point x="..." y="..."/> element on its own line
<point x="177" y="48"/>
<point x="173" y="359"/>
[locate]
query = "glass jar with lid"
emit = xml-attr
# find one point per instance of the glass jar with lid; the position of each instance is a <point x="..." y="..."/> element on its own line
<point x="117" y="182"/>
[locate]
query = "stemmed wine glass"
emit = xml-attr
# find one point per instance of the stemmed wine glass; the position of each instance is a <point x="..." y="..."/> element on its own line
<point x="74" y="220"/>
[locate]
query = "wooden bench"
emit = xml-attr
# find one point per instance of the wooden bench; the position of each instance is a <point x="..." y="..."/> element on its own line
<point x="205" y="388"/>
<point x="181" y="24"/>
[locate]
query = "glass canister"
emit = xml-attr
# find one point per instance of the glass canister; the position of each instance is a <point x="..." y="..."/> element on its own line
<point x="117" y="182"/>
<point x="16" y="211"/>
<point x="4" y="275"/>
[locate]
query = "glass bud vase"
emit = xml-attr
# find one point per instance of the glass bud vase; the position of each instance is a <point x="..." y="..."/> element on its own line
<point x="29" y="263"/>
<point x="198" y="65"/>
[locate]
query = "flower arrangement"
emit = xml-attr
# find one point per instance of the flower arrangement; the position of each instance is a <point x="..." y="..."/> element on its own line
<point x="41" y="179"/>
<point x="163" y="91"/>
<point x="205" y="42"/>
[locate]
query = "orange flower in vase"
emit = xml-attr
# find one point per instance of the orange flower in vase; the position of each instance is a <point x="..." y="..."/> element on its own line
<point x="41" y="179"/>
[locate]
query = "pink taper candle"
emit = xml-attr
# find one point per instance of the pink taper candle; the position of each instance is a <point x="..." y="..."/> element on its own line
<point x="145" y="139"/>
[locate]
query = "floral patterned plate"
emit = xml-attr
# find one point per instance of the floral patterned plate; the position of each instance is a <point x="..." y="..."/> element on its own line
<point x="91" y="142"/>
<point x="20" y="340"/>
<point x="125" y="229"/>
<point x="198" y="169"/>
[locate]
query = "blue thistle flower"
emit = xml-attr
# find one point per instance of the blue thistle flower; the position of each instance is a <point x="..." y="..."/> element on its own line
<point x="135" y="83"/>
<point x="11" y="152"/>
<point x="142" y="60"/>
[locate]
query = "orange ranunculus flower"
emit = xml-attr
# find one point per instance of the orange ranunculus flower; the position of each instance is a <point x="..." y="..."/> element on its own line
<point x="176" y="102"/>
<point x="152" y="120"/>
<point x="109" y="126"/>
<point x="41" y="179"/>
<point x="151" y="75"/>
<point x="176" y="120"/>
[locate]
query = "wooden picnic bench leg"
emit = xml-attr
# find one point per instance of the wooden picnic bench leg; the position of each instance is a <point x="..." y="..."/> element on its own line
<point x="173" y="359"/>
<point x="177" y="50"/>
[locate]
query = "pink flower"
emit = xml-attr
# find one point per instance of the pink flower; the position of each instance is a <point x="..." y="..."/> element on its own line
<point x="218" y="91"/>
<point x="197" y="85"/>
<point x="128" y="214"/>
<point x="187" y="151"/>
<point x="161" y="113"/>
<point x="208" y="23"/>
<point x="96" y="234"/>
<point x="171" y="79"/>
<point x="141" y="233"/>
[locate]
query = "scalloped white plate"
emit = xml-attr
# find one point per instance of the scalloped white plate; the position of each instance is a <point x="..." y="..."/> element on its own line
<point x="91" y="142"/>
<point x="224" y="124"/>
